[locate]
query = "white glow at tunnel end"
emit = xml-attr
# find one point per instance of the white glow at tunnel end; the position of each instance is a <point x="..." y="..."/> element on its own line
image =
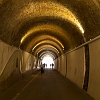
<point x="48" y="60"/>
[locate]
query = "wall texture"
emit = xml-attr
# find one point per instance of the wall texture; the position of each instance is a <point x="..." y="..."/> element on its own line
<point x="76" y="66"/>
<point x="63" y="65"/>
<point x="94" y="75"/>
<point x="55" y="64"/>
<point x="14" y="65"/>
<point x="28" y="61"/>
<point x="5" y="53"/>
<point x="9" y="60"/>
<point x="58" y="68"/>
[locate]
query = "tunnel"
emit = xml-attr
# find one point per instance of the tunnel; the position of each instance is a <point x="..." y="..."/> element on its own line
<point x="68" y="31"/>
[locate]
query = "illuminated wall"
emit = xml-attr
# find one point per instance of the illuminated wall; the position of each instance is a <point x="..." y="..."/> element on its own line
<point x="94" y="75"/>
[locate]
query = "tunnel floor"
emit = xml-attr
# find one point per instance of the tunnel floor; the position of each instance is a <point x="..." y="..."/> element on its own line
<point x="50" y="85"/>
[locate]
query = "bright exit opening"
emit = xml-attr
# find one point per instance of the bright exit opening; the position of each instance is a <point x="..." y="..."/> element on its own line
<point x="48" y="61"/>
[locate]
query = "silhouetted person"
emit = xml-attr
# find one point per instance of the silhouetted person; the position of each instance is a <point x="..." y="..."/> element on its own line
<point x="42" y="68"/>
<point x="52" y="65"/>
<point x="46" y="65"/>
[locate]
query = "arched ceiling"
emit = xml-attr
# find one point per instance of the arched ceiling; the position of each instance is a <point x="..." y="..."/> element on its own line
<point x="46" y="53"/>
<point x="49" y="26"/>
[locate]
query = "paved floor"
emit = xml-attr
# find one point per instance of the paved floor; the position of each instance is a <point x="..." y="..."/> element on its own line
<point x="47" y="86"/>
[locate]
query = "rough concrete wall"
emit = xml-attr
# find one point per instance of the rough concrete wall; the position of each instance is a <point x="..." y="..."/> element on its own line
<point x="5" y="54"/>
<point x="55" y="64"/>
<point x="63" y="65"/>
<point x="59" y="64"/>
<point x="94" y="74"/>
<point x="12" y="61"/>
<point x="8" y="57"/>
<point x="28" y="61"/>
<point x="76" y="66"/>
<point x="11" y="65"/>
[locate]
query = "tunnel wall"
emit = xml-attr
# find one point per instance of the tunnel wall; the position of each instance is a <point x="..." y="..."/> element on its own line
<point x="55" y="64"/>
<point x="58" y="68"/>
<point x="75" y="67"/>
<point x="12" y="62"/>
<point x="94" y="73"/>
<point x="28" y="61"/>
<point x="63" y="65"/>
<point x="72" y="65"/>
<point x="5" y="53"/>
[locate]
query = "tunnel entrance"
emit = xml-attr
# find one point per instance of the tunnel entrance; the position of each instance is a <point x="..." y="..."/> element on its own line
<point x="48" y="60"/>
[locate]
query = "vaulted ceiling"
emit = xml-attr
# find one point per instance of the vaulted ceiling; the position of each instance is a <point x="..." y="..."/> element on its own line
<point x="49" y="26"/>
